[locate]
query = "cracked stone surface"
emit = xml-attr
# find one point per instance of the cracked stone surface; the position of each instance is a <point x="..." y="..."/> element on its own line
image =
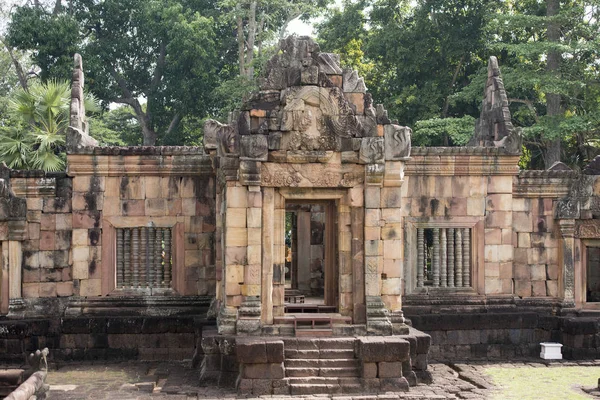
<point x="176" y="381"/>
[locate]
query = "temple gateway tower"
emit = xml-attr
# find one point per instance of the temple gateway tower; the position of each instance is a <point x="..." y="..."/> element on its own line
<point x="309" y="160"/>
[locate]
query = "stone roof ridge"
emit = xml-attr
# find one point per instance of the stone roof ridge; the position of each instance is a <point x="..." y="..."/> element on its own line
<point x="463" y="150"/>
<point x="140" y="150"/>
<point x="548" y="173"/>
<point x="494" y="127"/>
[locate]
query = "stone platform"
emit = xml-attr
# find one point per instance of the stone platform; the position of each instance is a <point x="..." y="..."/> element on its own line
<point x="303" y="366"/>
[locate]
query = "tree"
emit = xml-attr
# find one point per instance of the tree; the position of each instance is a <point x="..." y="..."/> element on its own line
<point x="417" y="56"/>
<point x="40" y="116"/>
<point x="549" y="60"/>
<point x="163" y="53"/>
<point x="259" y="22"/>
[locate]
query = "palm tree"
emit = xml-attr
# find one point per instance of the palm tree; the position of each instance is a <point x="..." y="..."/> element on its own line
<point x="41" y="118"/>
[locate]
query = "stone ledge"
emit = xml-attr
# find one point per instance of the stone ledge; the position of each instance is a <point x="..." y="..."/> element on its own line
<point x="140" y="150"/>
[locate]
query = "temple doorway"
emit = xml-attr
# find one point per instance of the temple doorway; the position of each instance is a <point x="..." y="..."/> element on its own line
<point x="311" y="279"/>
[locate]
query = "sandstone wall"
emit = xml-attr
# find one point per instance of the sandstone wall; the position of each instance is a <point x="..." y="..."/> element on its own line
<point x="68" y="248"/>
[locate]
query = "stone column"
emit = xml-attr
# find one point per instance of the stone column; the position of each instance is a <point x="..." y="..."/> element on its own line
<point x="15" y="258"/>
<point x="458" y="273"/>
<point x="357" y="261"/>
<point x="235" y="243"/>
<point x="567" y="230"/>
<point x="249" y="314"/>
<point x="450" y="248"/>
<point x="267" y="215"/>
<point x="436" y="257"/>
<point x="443" y="258"/>
<point x="4" y="289"/>
<point x="420" y="256"/>
<point x="303" y="251"/>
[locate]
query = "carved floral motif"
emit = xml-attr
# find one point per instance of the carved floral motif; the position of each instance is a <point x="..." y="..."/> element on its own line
<point x="310" y="175"/>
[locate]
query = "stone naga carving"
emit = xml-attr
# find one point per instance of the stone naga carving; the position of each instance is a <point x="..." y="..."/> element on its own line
<point x="78" y="132"/>
<point x="254" y="147"/>
<point x="397" y="142"/>
<point x="372" y="150"/>
<point x="225" y="137"/>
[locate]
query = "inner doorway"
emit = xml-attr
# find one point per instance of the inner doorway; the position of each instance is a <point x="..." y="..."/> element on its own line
<point x="310" y="252"/>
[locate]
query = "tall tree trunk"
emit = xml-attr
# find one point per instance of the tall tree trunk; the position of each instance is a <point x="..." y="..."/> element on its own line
<point x="240" y="39"/>
<point x="446" y="139"/>
<point x="259" y="33"/>
<point x="553" y="148"/>
<point x="18" y="68"/>
<point x="251" y="39"/>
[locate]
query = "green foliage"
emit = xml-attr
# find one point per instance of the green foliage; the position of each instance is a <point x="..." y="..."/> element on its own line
<point x="40" y="116"/>
<point x="117" y="127"/>
<point x="430" y="132"/>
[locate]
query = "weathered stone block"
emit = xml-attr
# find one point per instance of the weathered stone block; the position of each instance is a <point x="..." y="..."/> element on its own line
<point x="369" y="370"/>
<point x="389" y="369"/>
<point x="263" y="371"/>
<point x="275" y="351"/>
<point x="377" y="349"/>
<point x="523" y="288"/>
<point x="251" y="351"/>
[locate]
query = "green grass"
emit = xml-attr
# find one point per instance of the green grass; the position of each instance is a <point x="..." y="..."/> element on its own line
<point x="552" y="383"/>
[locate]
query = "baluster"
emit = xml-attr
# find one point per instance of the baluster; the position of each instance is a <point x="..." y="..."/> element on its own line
<point x="127" y="257"/>
<point x="443" y="258"/>
<point x="167" y="276"/>
<point x="135" y="256"/>
<point x="436" y="257"/>
<point x="158" y="258"/>
<point x="143" y="256"/>
<point x="120" y="267"/>
<point x="150" y="262"/>
<point x="466" y="257"/>
<point x="450" y="248"/>
<point x="420" y="256"/>
<point x="459" y="258"/>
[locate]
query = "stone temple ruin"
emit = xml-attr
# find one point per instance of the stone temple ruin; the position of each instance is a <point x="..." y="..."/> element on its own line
<point x="305" y="247"/>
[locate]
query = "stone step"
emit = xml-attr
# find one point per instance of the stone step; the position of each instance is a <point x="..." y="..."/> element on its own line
<point x="337" y="344"/>
<point x="339" y="372"/>
<point x="322" y="363"/>
<point x="314" y="332"/>
<point x="335" y="353"/>
<point x="319" y="354"/>
<point x="314" y="380"/>
<point x="301" y="372"/>
<point x="301" y="354"/>
<point x="308" y="386"/>
<point x="336" y="372"/>
<point x="301" y="389"/>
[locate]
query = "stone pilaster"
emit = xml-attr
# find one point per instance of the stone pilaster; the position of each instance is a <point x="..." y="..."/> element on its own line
<point x="567" y="230"/>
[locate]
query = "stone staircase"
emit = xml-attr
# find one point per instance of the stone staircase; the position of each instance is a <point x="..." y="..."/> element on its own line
<point x="320" y="365"/>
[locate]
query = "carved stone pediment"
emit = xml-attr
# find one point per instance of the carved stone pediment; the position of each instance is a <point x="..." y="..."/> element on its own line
<point x="589" y="229"/>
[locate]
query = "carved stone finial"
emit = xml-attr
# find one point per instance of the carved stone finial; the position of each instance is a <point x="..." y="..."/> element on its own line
<point x="494" y="127"/>
<point x="78" y="132"/>
<point x="559" y="166"/>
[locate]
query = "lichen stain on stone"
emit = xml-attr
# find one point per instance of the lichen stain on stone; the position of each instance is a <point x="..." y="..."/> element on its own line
<point x="423" y="204"/>
<point x="123" y="189"/>
<point x="90" y="201"/>
<point x="435" y="204"/>
<point x="541" y="225"/>
<point x="174" y="184"/>
<point x="92" y="267"/>
<point x="94" y="236"/>
<point x="60" y="202"/>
